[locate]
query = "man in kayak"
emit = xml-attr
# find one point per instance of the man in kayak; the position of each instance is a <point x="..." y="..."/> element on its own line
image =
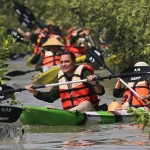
<point x="75" y="96"/>
<point x="128" y="98"/>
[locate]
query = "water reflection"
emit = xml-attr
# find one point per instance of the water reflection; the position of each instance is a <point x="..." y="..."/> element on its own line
<point x="113" y="136"/>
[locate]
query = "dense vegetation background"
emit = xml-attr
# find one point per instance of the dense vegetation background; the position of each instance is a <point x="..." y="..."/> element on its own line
<point x="126" y="23"/>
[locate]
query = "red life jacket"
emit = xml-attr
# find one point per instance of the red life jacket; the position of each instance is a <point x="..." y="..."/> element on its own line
<point x="50" y="59"/>
<point x="72" y="95"/>
<point x="128" y="96"/>
<point x="78" y="51"/>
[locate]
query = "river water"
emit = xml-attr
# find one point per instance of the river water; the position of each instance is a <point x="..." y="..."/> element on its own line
<point x="95" y="137"/>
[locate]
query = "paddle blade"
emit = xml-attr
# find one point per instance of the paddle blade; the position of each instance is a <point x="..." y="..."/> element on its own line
<point x="95" y="57"/>
<point x="15" y="73"/>
<point x="16" y="35"/>
<point x="22" y="10"/>
<point x="137" y="69"/>
<point x="9" y="114"/>
<point x="26" y="23"/>
<point x="92" y="60"/>
<point x="9" y="94"/>
<point x="18" y="73"/>
<point x="143" y="73"/>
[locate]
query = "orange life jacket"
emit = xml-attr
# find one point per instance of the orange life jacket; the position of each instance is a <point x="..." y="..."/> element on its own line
<point x="128" y="96"/>
<point x="50" y="59"/>
<point x="73" y="94"/>
<point x="38" y="43"/>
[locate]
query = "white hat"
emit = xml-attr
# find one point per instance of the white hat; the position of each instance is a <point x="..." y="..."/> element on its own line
<point x="141" y="63"/>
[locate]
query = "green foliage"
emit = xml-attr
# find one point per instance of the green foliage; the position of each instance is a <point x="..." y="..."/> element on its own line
<point x="6" y="43"/>
<point x="141" y="116"/>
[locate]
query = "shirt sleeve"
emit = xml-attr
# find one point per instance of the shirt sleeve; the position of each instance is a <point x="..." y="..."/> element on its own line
<point x="50" y="96"/>
<point x="118" y="93"/>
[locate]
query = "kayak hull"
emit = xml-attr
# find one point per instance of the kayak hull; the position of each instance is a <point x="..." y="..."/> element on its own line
<point x="28" y="62"/>
<point x="46" y="77"/>
<point x="35" y="115"/>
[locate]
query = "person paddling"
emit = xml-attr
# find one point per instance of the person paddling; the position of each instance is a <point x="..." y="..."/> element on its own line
<point x="51" y="55"/>
<point x="75" y="96"/>
<point x="128" y="98"/>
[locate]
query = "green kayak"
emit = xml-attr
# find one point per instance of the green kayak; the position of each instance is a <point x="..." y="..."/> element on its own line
<point x="35" y="115"/>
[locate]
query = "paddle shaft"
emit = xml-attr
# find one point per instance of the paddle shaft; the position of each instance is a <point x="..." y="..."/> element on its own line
<point x="70" y="82"/>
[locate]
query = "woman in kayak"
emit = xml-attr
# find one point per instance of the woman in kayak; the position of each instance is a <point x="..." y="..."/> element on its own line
<point x="51" y="55"/>
<point x="142" y="88"/>
<point x="75" y="96"/>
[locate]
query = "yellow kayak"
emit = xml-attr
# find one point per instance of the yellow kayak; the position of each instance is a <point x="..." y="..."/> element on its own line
<point x="28" y="61"/>
<point x="46" y="77"/>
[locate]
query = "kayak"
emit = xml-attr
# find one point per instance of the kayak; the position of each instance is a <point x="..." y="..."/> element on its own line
<point x="36" y="115"/>
<point x="46" y="77"/>
<point x="28" y="62"/>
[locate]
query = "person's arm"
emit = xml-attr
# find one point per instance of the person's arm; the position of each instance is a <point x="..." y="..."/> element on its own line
<point x="73" y="39"/>
<point x="50" y="96"/>
<point x="39" y="64"/>
<point x="94" y="85"/>
<point x="118" y="91"/>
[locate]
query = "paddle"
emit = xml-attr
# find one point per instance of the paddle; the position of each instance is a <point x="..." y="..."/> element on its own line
<point x="25" y="13"/>
<point x="18" y="37"/>
<point x="26" y="23"/>
<point x="18" y="73"/>
<point x="9" y="114"/>
<point x="7" y="91"/>
<point x="95" y="57"/>
<point x="22" y="10"/>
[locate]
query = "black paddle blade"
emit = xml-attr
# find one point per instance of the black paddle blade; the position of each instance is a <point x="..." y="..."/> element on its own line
<point x="22" y="10"/>
<point x="137" y="69"/>
<point x="140" y="71"/>
<point x="15" y="73"/>
<point x="18" y="73"/>
<point x="92" y="60"/>
<point x="16" y="35"/>
<point x="10" y="92"/>
<point x="95" y="57"/>
<point x="9" y="114"/>
<point x="26" y="23"/>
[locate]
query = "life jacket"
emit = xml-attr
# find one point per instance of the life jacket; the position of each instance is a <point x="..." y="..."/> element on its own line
<point x="38" y="44"/>
<point x="78" y="51"/>
<point x="50" y="59"/>
<point x="141" y="89"/>
<point x="73" y="94"/>
<point x="41" y="40"/>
